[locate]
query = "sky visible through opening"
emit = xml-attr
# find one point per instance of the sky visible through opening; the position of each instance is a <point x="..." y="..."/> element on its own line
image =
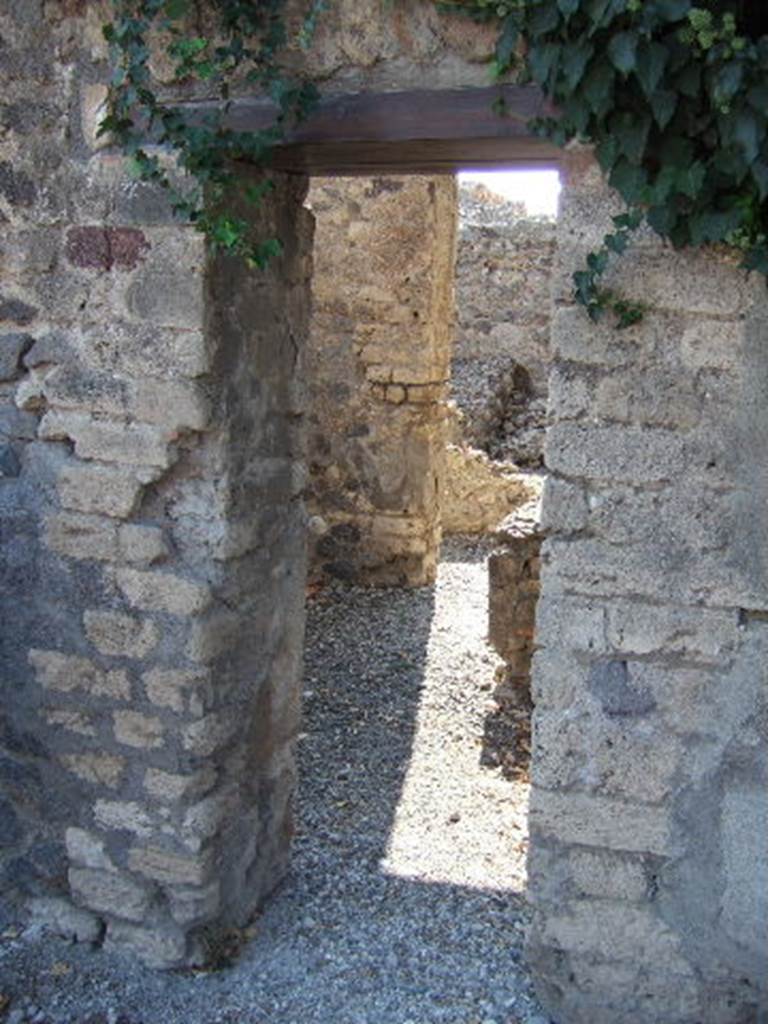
<point x="539" y="190"/>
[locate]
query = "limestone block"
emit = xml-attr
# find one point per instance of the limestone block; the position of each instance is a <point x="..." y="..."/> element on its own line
<point x="563" y="506"/>
<point x="608" y="876"/>
<point x="169" y="868"/>
<point x="108" y="440"/>
<point x="173" y="789"/>
<point x="123" y="636"/>
<point x="141" y="544"/>
<point x="202" y="820"/>
<point x="192" y="906"/>
<point x="109" y="490"/>
<point x="640" y="628"/>
<point x="66" y="672"/>
<point x="86" y="850"/>
<point x="208" y="734"/>
<point x="179" y="689"/>
<point x="159" y="946"/>
<point x="124" y="815"/>
<point x="571" y="623"/>
<point x="72" y="721"/>
<point x="617" y="932"/>
<point x="109" y="892"/>
<point x="128" y="348"/>
<point x="100" y="769"/>
<point x="60" y="917"/>
<point x="167" y="290"/>
<point x="593" y="820"/>
<point x="614" y="453"/>
<point x="163" y="592"/>
<point x="79" y="536"/>
<point x="174" y="405"/>
<point x="138" y="730"/>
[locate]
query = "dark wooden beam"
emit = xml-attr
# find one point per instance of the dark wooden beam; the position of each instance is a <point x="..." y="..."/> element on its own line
<point x="417" y="132"/>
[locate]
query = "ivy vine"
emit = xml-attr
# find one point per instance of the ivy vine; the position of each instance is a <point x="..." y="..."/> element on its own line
<point x="246" y="42"/>
<point x="672" y="94"/>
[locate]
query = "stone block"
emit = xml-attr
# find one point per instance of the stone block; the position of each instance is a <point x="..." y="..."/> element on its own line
<point x="79" y="536"/>
<point x="195" y="906"/>
<point x="124" y="815"/>
<point x="66" y="672"/>
<point x="174" y="405"/>
<point x="592" y="820"/>
<point x="87" y="850"/>
<point x="608" y="876"/>
<point x="12" y="348"/>
<point x="100" y="769"/>
<point x="179" y="689"/>
<point x="615" y="453"/>
<point x="695" y="634"/>
<point x="204" y="737"/>
<point x="159" y="946"/>
<point x="107" y="490"/>
<point x="119" y="635"/>
<point x="203" y="819"/>
<point x="71" y="721"/>
<point x="163" y="592"/>
<point x="135" y="444"/>
<point x="143" y="545"/>
<point x="57" y="915"/>
<point x="571" y="623"/>
<point x="109" y="892"/>
<point x="616" y="932"/>
<point x="563" y="506"/>
<point x="168" y="289"/>
<point x="138" y="730"/>
<point x="173" y="789"/>
<point x="169" y="868"/>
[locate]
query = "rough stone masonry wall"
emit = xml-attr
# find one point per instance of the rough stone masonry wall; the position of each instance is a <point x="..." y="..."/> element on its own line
<point x="153" y="535"/>
<point x="649" y="817"/>
<point x="378" y="358"/>
<point x="500" y="364"/>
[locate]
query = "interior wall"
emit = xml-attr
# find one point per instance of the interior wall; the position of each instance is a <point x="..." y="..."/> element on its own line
<point x="379" y="351"/>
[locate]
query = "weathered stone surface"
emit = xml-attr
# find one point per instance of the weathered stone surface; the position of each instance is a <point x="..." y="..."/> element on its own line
<point x="126" y="816"/>
<point x="163" y="592"/>
<point x="12" y="348"/>
<point x="102" y="489"/>
<point x="122" y="635"/>
<point x="110" y="893"/>
<point x="87" y="850"/>
<point x="100" y="769"/>
<point x="162" y="946"/>
<point x="377" y="364"/>
<point x="172" y="789"/>
<point x="138" y="730"/>
<point x="178" y="688"/>
<point x="108" y="441"/>
<point x="60" y="917"/>
<point x="169" y="868"/>
<point x="478" y="493"/>
<point x="65" y="672"/>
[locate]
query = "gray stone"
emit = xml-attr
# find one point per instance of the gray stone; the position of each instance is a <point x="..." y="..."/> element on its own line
<point x="12" y="348"/>
<point x="60" y="917"/>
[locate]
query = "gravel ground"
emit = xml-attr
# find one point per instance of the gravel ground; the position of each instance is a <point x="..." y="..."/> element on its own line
<point x="405" y="900"/>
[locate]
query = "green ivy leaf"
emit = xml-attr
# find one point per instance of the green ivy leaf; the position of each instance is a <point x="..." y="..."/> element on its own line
<point x="574" y="62"/>
<point x="650" y="63"/>
<point x="672" y="10"/>
<point x="597" y="87"/>
<point x="505" y="47"/>
<point x="663" y="104"/>
<point x="622" y="50"/>
<point x="749" y="132"/>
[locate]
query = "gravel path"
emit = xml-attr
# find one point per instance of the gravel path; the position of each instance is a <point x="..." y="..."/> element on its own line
<point x="405" y="902"/>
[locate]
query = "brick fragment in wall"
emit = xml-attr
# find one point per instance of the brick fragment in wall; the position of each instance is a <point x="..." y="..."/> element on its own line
<point x="105" y="248"/>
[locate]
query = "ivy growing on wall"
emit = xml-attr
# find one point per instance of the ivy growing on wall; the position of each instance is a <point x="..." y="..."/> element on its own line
<point x="245" y="41"/>
<point x="673" y="95"/>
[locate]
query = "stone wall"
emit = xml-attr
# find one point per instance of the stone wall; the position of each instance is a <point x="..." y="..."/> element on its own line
<point x="153" y="533"/>
<point x="500" y="364"/>
<point x="379" y="351"/>
<point x="649" y="838"/>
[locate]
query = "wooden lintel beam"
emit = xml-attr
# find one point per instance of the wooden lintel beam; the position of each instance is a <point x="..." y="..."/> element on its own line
<point x="419" y="131"/>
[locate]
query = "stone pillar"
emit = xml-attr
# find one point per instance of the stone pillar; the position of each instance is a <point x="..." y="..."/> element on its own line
<point x="154" y="538"/>
<point x="379" y="352"/>
<point x="649" y="855"/>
